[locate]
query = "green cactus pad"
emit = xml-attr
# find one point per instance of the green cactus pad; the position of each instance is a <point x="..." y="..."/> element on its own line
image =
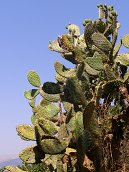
<point x="63" y="132"/>
<point x="100" y="25"/>
<point x="51" y="160"/>
<point x="39" y="133"/>
<point x="13" y="169"/>
<point x="52" y="88"/>
<point x="53" y="146"/>
<point x="125" y="40"/>
<point x="89" y="30"/>
<point x="67" y="106"/>
<point x="47" y="126"/>
<point x="63" y="71"/>
<point x="44" y="102"/>
<point x="109" y="72"/>
<point x="26" y="132"/>
<point x="73" y="92"/>
<point x="90" y="70"/>
<point x="31" y="155"/>
<point x="75" y="125"/>
<point x="48" y="112"/>
<point x="88" y="116"/>
<point x="31" y="94"/>
<point x="123" y="59"/>
<point x="39" y="110"/>
<point x="101" y="42"/>
<point x="50" y="97"/>
<point x="52" y="110"/>
<point x="60" y="78"/>
<point x="95" y="62"/>
<point x="32" y="103"/>
<point x="34" y="78"/>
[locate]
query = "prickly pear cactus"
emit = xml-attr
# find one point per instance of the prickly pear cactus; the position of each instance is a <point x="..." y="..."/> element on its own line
<point x="81" y="123"/>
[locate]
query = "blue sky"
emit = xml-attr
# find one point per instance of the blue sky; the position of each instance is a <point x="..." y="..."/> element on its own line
<point x="26" y="26"/>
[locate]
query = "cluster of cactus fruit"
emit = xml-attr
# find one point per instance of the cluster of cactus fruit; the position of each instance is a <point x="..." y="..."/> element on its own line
<point x="81" y="122"/>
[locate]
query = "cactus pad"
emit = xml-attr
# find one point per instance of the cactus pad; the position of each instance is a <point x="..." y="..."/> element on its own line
<point x="75" y="125"/>
<point x="52" y="88"/>
<point x="32" y="103"/>
<point x="100" y="25"/>
<point x="47" y="126"/>
<point x="90" y="70"/>
<point x="63" y="71"/>
<point x="26" y="132"/>
<point x="60" y="78"/>
<point x="123" y="59"/>
<point x="53" y="146"/>
<point x="125" y="40"/>
<point x="95" y="62"/>
<point x="48" y="111"/>
<point x="89" y="30"/>
<point x="34" y="78"/>
<point x="31" y="94"/>
<point x="101" y="42"/>
<point x="44" y="102"/>
<point x="73" y="92"/>
<point x="73" y="29"/>
<point x="54" y="46"/>
<point x="50" y="97"/>
<point x="13" y="169"/>
<point x="31" y="155"/>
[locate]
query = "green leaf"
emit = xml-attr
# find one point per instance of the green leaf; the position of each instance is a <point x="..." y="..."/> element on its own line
<point x="31" y="94"/>
<point x="34" y="78"/>
<point x="125" y="40"/>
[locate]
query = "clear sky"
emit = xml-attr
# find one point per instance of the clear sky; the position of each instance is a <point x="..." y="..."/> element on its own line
<point x="26" y="26"/>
